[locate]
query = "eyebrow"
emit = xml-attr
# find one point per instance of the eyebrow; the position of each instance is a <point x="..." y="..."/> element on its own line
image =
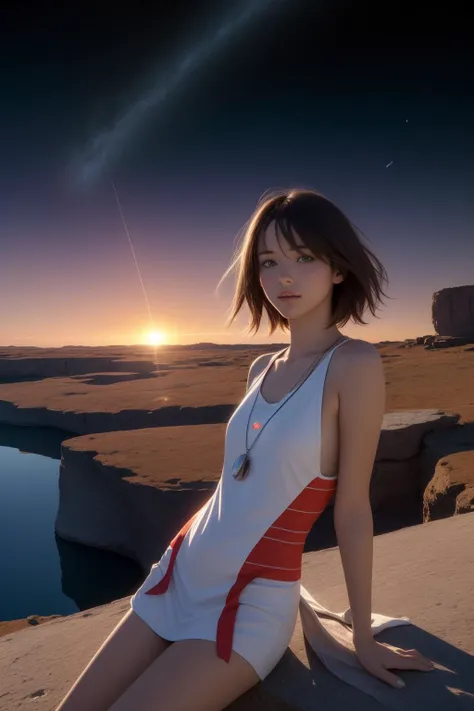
<point x="298" y="249"/>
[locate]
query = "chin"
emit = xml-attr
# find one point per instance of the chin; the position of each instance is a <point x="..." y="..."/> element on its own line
<point x="292" y="311"/>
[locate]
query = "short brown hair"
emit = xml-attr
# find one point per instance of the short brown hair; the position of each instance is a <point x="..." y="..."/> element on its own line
<point x="330" y="235"/>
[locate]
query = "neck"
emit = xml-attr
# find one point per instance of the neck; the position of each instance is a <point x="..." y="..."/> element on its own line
<point x="311" y="348"/>
<point x="309" y="335"/>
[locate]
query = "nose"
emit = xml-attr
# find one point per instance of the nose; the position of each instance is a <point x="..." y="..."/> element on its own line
<point x="284" y="274"/>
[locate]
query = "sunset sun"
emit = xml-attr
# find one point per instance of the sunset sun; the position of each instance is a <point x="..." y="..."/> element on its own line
<point x="155" y="338"/>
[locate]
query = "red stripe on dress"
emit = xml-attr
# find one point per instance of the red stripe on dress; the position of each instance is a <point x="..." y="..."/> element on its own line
<point x="275" y="559"/>
<point x="175" y="544"/>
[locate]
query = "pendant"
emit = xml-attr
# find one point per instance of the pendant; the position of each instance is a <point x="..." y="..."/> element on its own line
<point x="241" y="467"/>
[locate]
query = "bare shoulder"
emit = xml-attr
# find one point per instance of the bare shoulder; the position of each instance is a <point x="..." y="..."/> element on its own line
<point x="359" y="377"/>
<point x="357" y="371"/>
<point x="256" y="367"/>
<point x="355" y="354"/>
<point x="356" y="347"/>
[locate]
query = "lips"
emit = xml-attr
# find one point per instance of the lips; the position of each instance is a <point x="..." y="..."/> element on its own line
<point x="289" y="296"/>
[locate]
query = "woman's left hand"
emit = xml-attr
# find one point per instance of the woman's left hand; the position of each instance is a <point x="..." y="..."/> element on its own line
<point x="378" y="657"/>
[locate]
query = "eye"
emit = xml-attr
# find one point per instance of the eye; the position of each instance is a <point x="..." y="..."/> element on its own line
<point x="307" y="256"/>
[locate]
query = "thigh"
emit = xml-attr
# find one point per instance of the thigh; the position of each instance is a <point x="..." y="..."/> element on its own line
<point x="129" y="649"/>
<point x="189" y="676"/>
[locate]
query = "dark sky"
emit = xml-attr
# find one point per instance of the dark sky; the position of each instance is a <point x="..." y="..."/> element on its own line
<point x="320" y="94"/>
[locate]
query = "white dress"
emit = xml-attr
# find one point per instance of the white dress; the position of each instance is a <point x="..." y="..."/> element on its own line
<point x="232" y="573"/>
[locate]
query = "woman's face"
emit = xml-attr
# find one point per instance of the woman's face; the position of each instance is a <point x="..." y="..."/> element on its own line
<point x="302" y="273"/>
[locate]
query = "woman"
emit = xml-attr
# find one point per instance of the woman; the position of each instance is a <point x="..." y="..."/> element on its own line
<point x="217" y="611"/>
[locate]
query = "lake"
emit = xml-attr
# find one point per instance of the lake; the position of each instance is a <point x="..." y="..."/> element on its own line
<point x="42" y="574"/>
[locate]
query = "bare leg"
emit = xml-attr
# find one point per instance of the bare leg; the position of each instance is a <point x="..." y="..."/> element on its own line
<point x="189" y="676"/>
<point x="129" y="649"/>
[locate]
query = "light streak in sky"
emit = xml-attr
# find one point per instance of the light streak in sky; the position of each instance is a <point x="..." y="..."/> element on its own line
<point x="129" y="237"/>
<point x="105" y="146"/>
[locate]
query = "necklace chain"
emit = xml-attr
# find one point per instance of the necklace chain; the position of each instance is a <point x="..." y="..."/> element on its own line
<point x="242" y="469"/>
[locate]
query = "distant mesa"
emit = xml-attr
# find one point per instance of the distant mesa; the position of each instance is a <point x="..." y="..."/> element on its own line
<point x="453" y="312"/>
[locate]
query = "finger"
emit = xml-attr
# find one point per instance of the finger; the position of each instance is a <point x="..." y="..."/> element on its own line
<point x="421" y="663"/>
<point x="409" y="652"/>
<point x="416" y="656"/>
<point x="406" y="652"/>
<point x="391" y="679"/>
<point x="382" y="673"/>
<point x="412" y="662"/>
<point x="415" y="653"/>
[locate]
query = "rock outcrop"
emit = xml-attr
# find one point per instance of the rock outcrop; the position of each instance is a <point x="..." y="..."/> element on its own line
<point x="453" y="311"/>
<point x="446" y="466"/>
<point x="433" y="342"/>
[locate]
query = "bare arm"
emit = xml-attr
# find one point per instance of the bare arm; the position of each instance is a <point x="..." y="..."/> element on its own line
<point x="361" y="410"/>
